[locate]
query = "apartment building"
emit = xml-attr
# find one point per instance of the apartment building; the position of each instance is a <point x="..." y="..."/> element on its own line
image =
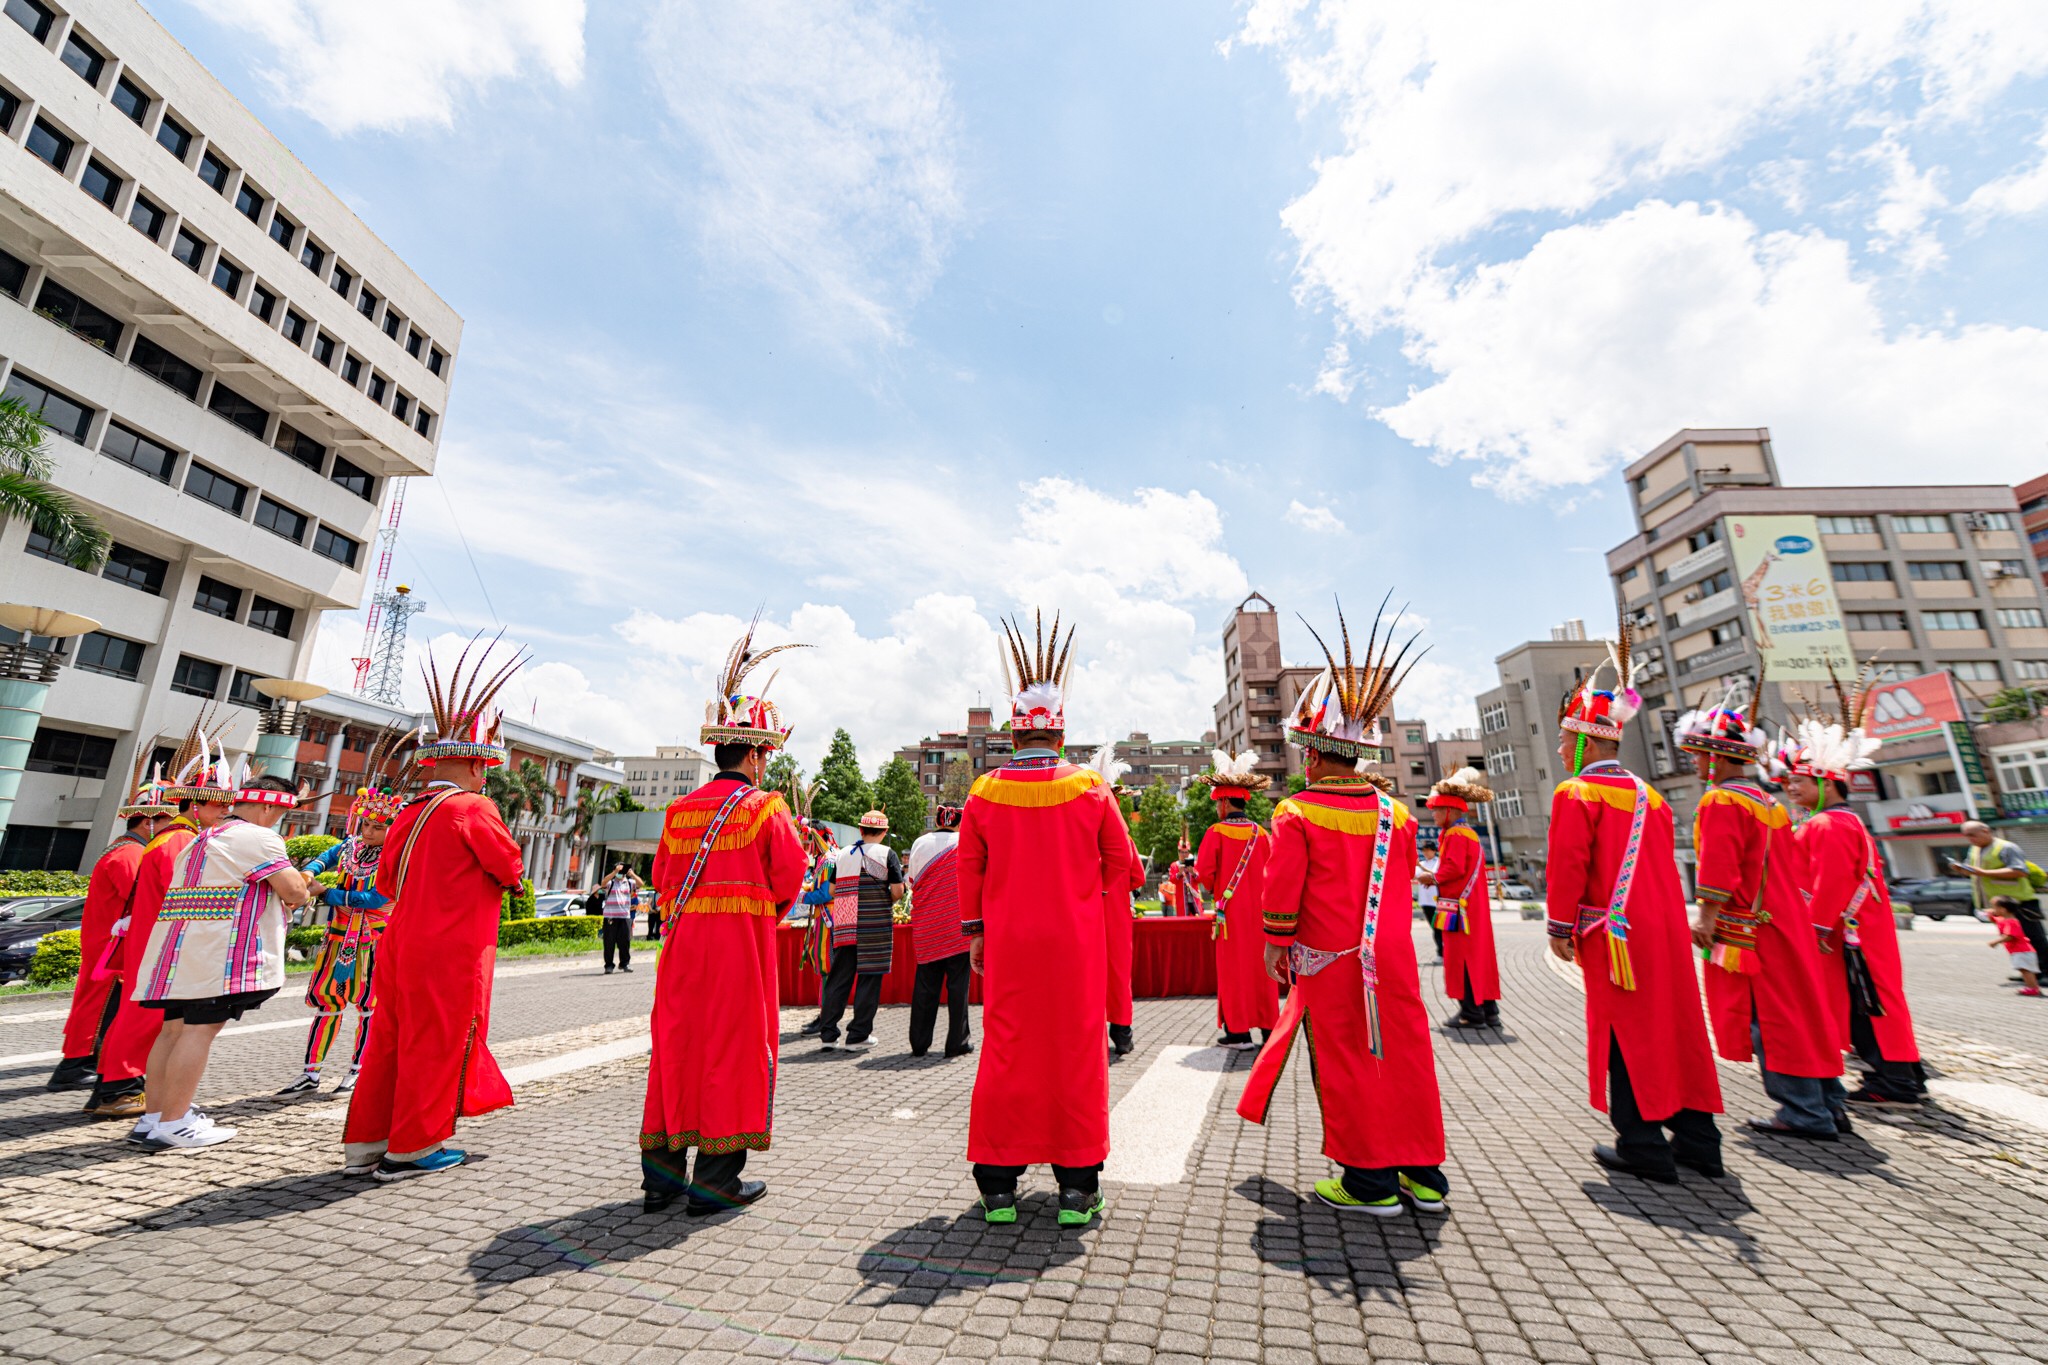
<point x="977" y="748"/>
<point x="658" y="778"/>
<point x="1172" y="761"/>
<point x="1517" y="743"/>
<point x="2033" y="500"/>
<point x="233" y="369"/>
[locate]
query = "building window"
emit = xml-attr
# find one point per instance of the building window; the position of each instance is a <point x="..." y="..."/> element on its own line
<point x="352" y="370"/>
<point x="341" y="281"/>
<point x="262" y="302"/>
<point x="10" y="105"/>
<point x="312" y="257"/>
<point x="1990" y="521"/>
<point x="300" y="446"/>
<point x="1952" y="620"/>
<point x="1700" y="540"/>
<point x="216" y="598"/>
<point x="1877" y="620"/>
<point x="1972" y="670"/>
<point x="1847" y="526"/>
<point x="84" y="319"/>
<point x="32" y="15"/>
<point x="366" y="304"/>
<point x="80" y="57"/>
<point x="335" y="546"/>
<point x="323" y="350"/>
<point x="272" y="618"/>
<point x="1899" y="668"/>
<point x="1919" y="526"/>
<point x="392" y="322"/>
<point x="50" y="145"/>
<point x="424" y="424"/>
<point x="65" y="416"/>
<point x="1935" y="571"/>
<point x="137" y="451"/>
<point x="357" y="481"/>
<point x="1493" y="716"/>
<point x="225" y="402"/>
<point x="249" y="202"/>
<point x="294" y="328"/>
<point x="214" y="172"/>
<point x="137" y="569"/>
<point x="242" y="691"/>
<point x="436" y="358"/>
<point x="70" y="754"/>
<point x="159" y="364"/>
<point x="129" y="98"/>
<point x="196" y="677"/>
<point x="379" y="386"/>
<point x="174" y="138"/>
<point x="1508" y="805"/>
<point x="2030" y="668"/>
<point x="218" y="489"/>
<point x="227" y="277"/>
<point x="147" y="219"/>
<point x="401" y="405"/>
<point x="42" y="547"/>
<point x="280" y="520"/>
<point x="282" y="230"/>
<point x="413" y="342"/>
<point x="1726" y="631"/>
<point x="2024" y="770"/>
<point x="109" y="654"/>
<point x="188" y="250"/>
<point x="100" y="182"/>
<point x="1853" y="572"/>
<point x="2020" y="618"/>
<point x="2003" y="568"/>
<point x="13" y="273"/>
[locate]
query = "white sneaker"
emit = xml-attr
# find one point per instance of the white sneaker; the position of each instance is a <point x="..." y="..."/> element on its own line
<point x="192" y="1132"/>
<point x="862" y="1046"/>
<point x="305" y="1083"/>
<point x="143" y="1134"/>
<point x="346" y="1084"/>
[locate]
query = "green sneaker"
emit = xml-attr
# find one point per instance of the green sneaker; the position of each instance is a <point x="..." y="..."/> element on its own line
<point x="1078" y="1208"/>
<point x="999" y="1208"/>
<point x="1422" y="1196"/>
<point x="1333" y="1193"/>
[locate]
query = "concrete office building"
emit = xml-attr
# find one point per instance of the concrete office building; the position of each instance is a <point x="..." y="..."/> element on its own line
<point x="1172" y="761"/>
<point x="2033" y="500"/>
<point x="658" y="778"/>
<point x="1517" y="741"/>
<point x="233" y="368"/>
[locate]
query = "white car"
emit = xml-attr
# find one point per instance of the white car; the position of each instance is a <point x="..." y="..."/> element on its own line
<point x="1512" y="890"/>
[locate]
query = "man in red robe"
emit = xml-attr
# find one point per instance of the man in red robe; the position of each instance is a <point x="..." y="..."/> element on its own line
<point x="95" y="996"/>
<point x="1464" y="908"/>
<point x="731" y="861"/>
<point x="1616" y="908"/>
<point x="933" y="866"/>
<point x="1338" y="902"/>
<point x="1044" y="857"/>
<point x="445" y="868"/>
<point x="1763" y="975"/>
<point x="1120" y="929"/>
<point x="1232" y="865"/>
<point x="1860" y="965"/>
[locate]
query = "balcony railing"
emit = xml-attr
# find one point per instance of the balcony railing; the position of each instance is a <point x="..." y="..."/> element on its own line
<point x="2018" y="803"/>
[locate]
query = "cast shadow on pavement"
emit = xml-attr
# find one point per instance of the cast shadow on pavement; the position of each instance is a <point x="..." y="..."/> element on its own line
<point x="939" y="1257"/>
<point x="1353" y="1254"/>
<point x="278" y="1198"/>
<point x="1477" y="1037"/>
<point x="1698" y="1205"/>
<point x="590" y="1240"/>
<point x="1846" y="1157"/>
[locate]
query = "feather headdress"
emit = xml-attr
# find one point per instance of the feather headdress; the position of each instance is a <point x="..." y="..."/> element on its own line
<point x="1832" y="741"/>
<point x="386" y="774"/>
<point x="1109" y="767"/>
<point x="803" y="798"/>
<point x="1232" y="777"/>
<point x="466" y="723"/>
<point x="199" y="768"/>
<point x="1590" y="709"/>
<point x="1723" y="730"/>
<point x="1462" y="790"/>
<point x="733" y="716"/>
<point x="147" y="788"/>
<point x="1035" y="673"/>
<point x="1340" y="712"/>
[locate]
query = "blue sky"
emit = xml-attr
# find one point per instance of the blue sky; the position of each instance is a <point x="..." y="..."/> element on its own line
<point x="886" y="318"/>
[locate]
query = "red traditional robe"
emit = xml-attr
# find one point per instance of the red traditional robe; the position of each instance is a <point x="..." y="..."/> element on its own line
<point x="1044" y="857"/>
<point x="1246" y="998"/>
<point x="1468" y="951"/>
<point x="711" y="1079"/>
<point x="1121" y="931"/>
<point x="446" y="866"/>
<point x="1378" y="1112"/>
<point x="1749" y="863"/>
<point x="1839" y="858"/>
<point x="124" y="1052"/>
<point x="106" y="900"/>
<point x="1659" y="1024"/>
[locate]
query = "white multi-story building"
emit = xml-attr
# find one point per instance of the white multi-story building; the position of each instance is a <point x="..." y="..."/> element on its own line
<point x="670" y="771"/>
<point x="233" y="368"/>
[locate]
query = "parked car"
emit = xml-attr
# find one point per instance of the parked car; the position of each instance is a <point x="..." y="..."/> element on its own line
<point x="14" y="907"/>
<point x="20" y="935"/>
<point x="1512" y="890"/>
<point x="551" y="903"/>
<point x="1935" y="897"/>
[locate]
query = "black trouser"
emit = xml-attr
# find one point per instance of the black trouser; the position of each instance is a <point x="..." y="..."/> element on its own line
<point x="951" y="974"/>
<point x="653" y="924"/>
<point x="1471" y="1008"/>
<point x="618" y="938"/>
<point x="1383" y="1182"/>
<point x="1893" y="1080"/>
<point x="1435" y="934"/>
<point x="661" y="1172"/>
<point x="2035" y="931"/>
<point x="843" y="980"/>
<point x="1640" y="1141"/>
<point x="1003" y="1179"/>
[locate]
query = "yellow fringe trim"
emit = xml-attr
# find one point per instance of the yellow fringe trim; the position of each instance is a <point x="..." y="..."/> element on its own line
<point x="729" y="905"/>
<point x="687" y="823"/>
<point x="1238" y="831"/>
<point x="1459" y="831"/>
<point x="1360" y="822"/>
<point x="1773" y="816"/>
<point x="1006" y="792"/>
<point x="1621" y="798"/>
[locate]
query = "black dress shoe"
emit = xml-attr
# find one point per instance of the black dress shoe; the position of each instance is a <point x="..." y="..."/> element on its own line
<point x="1464" y="1020"/>
<point x="1777" y="1129"/>
<point x="1842" y="1123"/>
<point x="1711" y="1168"/>
<point x="721" y="1200"/>
<point x="73" y="1073"/>
<point x="960" y="1051"/>
<point x="1120" y="1039"/>
<point x="812" y="1027"/>
<point x="654" y="1201"/>
<point x="1615" y="1161"/>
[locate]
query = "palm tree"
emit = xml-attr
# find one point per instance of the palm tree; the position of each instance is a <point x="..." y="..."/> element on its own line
<point x="25" y="491"/>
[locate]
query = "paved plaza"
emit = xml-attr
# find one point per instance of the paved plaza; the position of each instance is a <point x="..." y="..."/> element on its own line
<point x="1923" y="1237"/>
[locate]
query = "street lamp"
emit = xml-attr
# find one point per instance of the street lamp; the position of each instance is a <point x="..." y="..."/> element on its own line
<point x="26" y="672"/>
<point x="277" y="729"/>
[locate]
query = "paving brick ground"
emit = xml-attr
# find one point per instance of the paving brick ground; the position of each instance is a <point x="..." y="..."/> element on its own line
<point x="1920" y="1239"/>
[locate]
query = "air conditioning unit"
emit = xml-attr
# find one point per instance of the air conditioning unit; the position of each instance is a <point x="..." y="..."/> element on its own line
<point x="1693" y="596"/>
<point x="1977" y="521"/>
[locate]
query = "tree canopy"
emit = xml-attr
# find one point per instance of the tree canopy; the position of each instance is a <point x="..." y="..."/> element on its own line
<point x="843" y="794"/>
<point x="1156" y="826"/>
<point x="900" y="798"/>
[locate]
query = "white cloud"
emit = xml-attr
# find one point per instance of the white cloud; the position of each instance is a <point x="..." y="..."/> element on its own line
<point x="1318" y="519"/>
<point x="394" y="64"/>
<point x="2022" y="192"/>
<point x="1909" y="199"/>
<point x="827" y="133"/>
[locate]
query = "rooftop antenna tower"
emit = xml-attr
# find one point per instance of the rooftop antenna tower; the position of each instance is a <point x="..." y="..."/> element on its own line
<point x="377" y="658"/>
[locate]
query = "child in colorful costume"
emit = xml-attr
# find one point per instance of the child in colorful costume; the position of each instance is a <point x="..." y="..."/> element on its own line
<point x="1464" y="910"/>
<point x="1232" y="865"/>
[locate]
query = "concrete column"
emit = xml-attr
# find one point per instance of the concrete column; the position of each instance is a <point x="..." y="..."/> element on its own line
<point x="276" y="755"/>
<point x="21" y="710"/>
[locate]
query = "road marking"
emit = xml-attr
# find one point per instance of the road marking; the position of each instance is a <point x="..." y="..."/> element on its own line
<point x="32" y="1016"/>
<point x="1153" y="1128"/>
<point x="547" y="1068"/>
<point x="25" y="1058"/>
<point x="2007" y="1101"/>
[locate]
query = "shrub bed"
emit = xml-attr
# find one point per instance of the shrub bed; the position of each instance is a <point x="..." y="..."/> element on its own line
<point x="42" y="883"/>
<point x="57" y="959"/>
<point x="303" y="848"/>
<point x="554" y="929"/>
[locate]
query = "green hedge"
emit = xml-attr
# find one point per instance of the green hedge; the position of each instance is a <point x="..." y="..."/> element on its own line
<point x="305" y="937"/>
<point x="304" y="848"/>
<point x="554" y="929"/>
<point x="57" y="960"/>
<point x="517" y="904"/>
<point x="42" y="883"/>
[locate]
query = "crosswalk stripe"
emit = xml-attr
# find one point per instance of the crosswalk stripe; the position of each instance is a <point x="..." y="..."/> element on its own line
<point x="1153" y="1128"/>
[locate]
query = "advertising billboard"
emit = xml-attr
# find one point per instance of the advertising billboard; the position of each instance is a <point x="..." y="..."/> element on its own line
<point x="1788" y="593"/>
<point x="1913" y="708"/>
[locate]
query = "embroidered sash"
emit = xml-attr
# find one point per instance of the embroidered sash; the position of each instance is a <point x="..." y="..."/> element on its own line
<point x="1307" y="961"/>
<point x="700" y="857"/>
<point x="1244" y="860"/>
<point x="1736" y="926"/>
<point x="1450" y="916"/>
<point x="1620" y="970"/>
<point x="1862" y="985"/>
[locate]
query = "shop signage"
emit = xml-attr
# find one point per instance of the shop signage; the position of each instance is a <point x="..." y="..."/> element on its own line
<point x="1913" y="708"/>
<point x="1788" y="595"/>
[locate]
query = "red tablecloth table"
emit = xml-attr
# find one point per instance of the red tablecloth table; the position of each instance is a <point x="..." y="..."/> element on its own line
<point x="1169" y="956"/>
